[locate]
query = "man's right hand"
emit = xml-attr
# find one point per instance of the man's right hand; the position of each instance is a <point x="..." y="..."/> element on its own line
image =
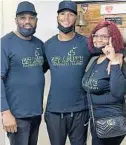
<point x="9" y="122"/>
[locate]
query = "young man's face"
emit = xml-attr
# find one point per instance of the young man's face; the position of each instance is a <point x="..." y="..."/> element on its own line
<point x="26" y="20"/>
<point x="66" y="18"/>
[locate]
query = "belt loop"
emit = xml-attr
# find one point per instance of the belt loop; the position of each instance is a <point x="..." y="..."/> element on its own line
<point x="71" y="114"/>
<point x="61" y="115"/>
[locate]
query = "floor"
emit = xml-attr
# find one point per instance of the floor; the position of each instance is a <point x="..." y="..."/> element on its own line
<point x="44" y="140"/>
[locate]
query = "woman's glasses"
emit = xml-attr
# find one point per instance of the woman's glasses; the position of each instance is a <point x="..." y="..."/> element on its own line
<point x="96" y="36"/>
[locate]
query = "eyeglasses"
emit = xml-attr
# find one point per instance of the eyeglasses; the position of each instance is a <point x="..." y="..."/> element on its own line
<point x="95" y="36"/>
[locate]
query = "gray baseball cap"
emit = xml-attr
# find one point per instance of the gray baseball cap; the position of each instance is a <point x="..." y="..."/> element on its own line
<point x="26" y="6"/>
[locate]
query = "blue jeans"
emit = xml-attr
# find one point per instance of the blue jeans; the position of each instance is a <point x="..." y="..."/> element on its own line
<point x="27" y="131"/>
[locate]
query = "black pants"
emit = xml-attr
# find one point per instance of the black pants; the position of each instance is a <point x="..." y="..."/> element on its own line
<point x="27" y="131"/>
<point x="106" y="141"/>
<point x="60" y="125"/>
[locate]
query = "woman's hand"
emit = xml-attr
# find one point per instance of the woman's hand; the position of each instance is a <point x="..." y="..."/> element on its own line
<point x="109" y="52"/>
<point x="115" y="58"/>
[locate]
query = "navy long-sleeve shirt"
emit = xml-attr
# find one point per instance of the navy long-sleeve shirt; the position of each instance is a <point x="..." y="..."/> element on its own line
<point x="106" y="91"/>
<point x="22" y="76"/>
<point x="67" y="61"/>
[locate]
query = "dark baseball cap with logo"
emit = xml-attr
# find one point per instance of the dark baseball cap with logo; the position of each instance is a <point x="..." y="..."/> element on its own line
<point x="67" y="5"/>
<point x="25" y="7"/>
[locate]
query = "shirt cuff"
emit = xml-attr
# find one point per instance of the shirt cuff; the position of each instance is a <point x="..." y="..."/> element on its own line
<point x="115" y="67"/>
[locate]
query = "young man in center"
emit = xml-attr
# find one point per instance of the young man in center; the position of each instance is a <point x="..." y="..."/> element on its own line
<point x="68" y="55"/>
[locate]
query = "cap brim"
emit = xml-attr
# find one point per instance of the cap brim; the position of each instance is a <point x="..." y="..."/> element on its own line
<point x="61" y="10"/>
<point x="25" y="12"/>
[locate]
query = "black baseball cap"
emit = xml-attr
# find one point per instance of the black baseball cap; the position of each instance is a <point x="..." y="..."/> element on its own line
<point x="25" y="6"/>
<point x="67" y="5"/>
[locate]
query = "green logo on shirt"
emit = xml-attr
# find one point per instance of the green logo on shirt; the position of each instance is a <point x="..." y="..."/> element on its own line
<point x="70" y="59"/>
<point x="36" y="60"/>
<point x="91" y="84"/>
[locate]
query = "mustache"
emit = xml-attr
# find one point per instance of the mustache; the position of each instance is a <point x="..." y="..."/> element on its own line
<point x="27" y="25"/>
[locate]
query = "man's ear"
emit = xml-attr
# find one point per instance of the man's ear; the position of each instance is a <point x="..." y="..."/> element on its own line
<point x="76" y="17"/>
<point x="36" y="20"/>
<point x="76" y="20"/>
<point x="16" y="20"/>
<point x="57" y="18"/>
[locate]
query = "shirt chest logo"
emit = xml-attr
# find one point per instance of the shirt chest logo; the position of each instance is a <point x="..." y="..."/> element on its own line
<point x="91" y="84"/>
<point x="36" y="60"/>
<point x="69" y="60"/>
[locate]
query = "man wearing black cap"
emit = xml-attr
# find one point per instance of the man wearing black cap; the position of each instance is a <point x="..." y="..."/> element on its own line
<point x="22" y="78"/>
<point x="68" y="55"/>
